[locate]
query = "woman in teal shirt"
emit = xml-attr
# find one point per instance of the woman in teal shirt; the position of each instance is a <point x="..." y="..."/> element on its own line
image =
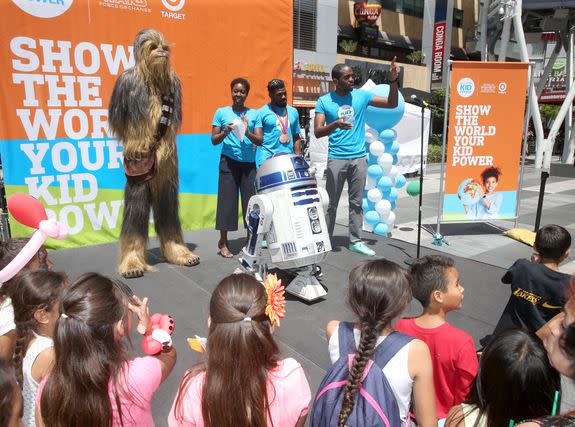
<point x="237" y="162"/>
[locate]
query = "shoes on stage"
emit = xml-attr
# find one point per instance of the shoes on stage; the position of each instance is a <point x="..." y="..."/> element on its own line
<point x="361" y="248"/>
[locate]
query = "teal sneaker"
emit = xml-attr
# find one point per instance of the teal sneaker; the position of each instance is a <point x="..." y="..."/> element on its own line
<point x="361" y="248"/>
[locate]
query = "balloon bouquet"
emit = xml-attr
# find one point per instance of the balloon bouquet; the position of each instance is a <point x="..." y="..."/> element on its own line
<point x="383" y="177"/>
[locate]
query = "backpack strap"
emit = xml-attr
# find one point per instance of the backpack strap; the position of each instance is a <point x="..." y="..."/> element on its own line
<point x="389" y="347"/>
<point x="346" y="339"/>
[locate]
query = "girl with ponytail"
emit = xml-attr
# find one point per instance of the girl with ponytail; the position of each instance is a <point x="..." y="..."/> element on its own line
<point x="378" y="292"/>
<point x="243" y="382"/>
<point x="35" y="298"/>
<point x="93" y="383"/>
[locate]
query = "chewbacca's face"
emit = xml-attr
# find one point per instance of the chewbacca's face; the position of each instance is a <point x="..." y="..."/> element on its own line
<point x="151" y="48"/>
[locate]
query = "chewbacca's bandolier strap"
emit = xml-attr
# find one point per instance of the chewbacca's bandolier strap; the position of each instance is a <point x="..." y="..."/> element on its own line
<point x="143" y="169"/>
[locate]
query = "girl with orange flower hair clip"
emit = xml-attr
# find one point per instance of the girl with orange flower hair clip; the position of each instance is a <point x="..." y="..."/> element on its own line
<point x="242" y="380"/>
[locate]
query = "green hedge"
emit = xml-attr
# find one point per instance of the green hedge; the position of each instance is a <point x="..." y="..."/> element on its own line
<point x="434" y="153"/>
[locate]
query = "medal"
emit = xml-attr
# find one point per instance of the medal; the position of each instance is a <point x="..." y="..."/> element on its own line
<point x="284" y="137"/>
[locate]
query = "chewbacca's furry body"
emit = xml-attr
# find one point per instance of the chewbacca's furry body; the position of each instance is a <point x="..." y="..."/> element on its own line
<point x="134" y="113"/>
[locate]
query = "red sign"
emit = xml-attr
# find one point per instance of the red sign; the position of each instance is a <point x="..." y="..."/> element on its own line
<point x="438" y="51"/>
<point x="366" y="12"/>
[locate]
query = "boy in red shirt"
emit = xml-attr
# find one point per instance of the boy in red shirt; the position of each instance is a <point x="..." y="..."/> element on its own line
<point x="436" y="286"/>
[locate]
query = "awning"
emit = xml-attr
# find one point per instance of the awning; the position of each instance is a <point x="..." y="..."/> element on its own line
<point x="383" y="39"/>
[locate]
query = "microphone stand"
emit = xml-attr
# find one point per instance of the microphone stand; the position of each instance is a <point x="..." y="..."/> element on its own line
<point x="423" y="105"/>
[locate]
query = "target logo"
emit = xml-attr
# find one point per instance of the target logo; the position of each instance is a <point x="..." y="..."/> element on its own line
<point x="44" y="9"/>
<point x="174" y="5"/>
<point x="502" y="87"/>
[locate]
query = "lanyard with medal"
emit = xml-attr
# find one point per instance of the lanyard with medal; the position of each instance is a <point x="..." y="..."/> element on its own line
<point x="284" y="137"/>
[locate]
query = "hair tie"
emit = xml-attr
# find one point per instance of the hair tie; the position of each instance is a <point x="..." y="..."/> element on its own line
<point x="247" y="319"/>
<point x="64" y="316"/>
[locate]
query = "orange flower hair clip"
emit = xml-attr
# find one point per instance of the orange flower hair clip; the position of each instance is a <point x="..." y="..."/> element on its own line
<point x="275" y="308"/>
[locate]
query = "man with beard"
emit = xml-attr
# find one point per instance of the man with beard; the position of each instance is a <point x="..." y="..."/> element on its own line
<point x="277" y="125"/>
<point x="341" y="116"/>
<point x="145" y="114"/>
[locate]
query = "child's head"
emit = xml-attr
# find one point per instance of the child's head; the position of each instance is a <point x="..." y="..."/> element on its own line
<point x="378" y="291"/>
<point x="490" y="177"/>
<point x="10" y="398"/>
<point x="435" y="282"/>
<point x="515" y="380"/>
<point x="94" y="317"/>
<point x="35" y="297"/>
<point x="552" y="242"/>
<point x="240" y="353"/>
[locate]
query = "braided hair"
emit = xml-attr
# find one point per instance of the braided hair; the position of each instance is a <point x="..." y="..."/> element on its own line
<point x="32" y="291"/>
<point x="378" y="291"/>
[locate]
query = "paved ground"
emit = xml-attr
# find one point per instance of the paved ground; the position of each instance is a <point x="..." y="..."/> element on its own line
<point x="185" y="292"/>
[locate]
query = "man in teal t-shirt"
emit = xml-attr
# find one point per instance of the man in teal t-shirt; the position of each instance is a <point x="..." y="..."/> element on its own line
<point x="277" y="124"/>
<point x="341" y="116"/>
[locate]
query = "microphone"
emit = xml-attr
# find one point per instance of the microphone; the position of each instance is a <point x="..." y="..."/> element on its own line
<point x="419" y="101"/>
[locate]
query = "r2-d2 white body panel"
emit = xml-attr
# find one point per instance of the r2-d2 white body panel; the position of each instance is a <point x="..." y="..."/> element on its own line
<point x="288" y="213"/>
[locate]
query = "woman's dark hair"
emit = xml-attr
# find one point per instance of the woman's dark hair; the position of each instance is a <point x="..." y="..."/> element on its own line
<point x="378" y="291"/>
<point x="239" y="356"/>
<point x="88" y="354"/>
<point x="515" y="380"/>
<point x="32" y="291"/>
<point x="8" y="391"/>
<point x="241" y="81"/>
<point x="494" y="172"/>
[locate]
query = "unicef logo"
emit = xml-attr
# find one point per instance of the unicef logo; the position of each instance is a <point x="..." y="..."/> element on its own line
<point x="44" y="9"/>
<point x="174" y="5"/>
<point x="465" y="87"/>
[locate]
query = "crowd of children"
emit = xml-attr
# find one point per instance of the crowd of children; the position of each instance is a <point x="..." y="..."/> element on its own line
<point x="64" y="348"/>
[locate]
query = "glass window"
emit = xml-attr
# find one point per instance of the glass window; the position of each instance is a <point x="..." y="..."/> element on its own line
<point x="304" y="24"/>
<point x="457" y="18"/>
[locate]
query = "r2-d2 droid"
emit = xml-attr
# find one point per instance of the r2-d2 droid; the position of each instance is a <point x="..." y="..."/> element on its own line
<point x="288" y="213"/>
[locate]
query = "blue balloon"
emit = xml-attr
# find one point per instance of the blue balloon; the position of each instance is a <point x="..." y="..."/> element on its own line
<point x="384" y="184"/>
<point x="392" y="204"/>
<point x="374" y="171"/>
<point x="395" y="159"/>
<point x="384" y="118"/>
<point x="387" y="136"/>
<point x="365" y="204"/>
<point x="392" y="196"/>
<point x="371" y="217"/>
<point x="392" y="148"/>
<point x="400" y="181"/>
<point x="371" y="159"/>
<point x="381" y="229"/>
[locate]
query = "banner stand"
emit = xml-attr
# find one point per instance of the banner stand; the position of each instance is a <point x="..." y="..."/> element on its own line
<point x="438" y="238"/>
<point x="524" y="150"/>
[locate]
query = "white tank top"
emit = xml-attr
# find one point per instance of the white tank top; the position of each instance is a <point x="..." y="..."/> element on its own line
<point x="30" y="386"/>
<point x="395" y="371"/>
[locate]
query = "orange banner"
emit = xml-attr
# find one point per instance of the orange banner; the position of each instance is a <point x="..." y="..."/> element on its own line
<point x="486" y="117"/>
<point x="59" y="61"/>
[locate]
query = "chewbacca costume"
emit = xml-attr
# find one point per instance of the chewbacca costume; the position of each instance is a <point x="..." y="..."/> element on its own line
<point x="145" y="113"/>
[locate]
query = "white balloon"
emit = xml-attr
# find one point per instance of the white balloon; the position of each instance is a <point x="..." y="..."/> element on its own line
<point x="374" y="195"/>
<point x="370" y="183"/>
<point x="369" y="138"/>
<point x="385" y="161"/>
<point x="383" y="207"/>
<point x="390" y="219"/>
<point x="377" y="148"/>
<point x="393" y="171"/>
